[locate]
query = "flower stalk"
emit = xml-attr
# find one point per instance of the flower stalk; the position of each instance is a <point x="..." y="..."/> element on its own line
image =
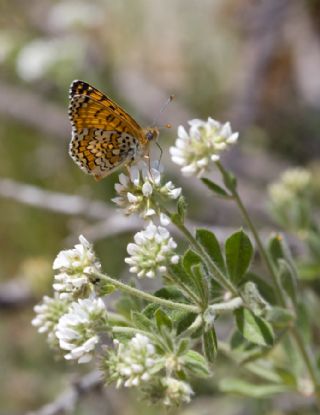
<point x="146" y="296"/>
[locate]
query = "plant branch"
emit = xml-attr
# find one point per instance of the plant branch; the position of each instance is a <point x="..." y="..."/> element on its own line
<point x="146" y="296"/>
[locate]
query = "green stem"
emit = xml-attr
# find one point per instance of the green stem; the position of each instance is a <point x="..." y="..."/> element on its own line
<point x="193" y="327"/>
<point x="148" y="297"/>
<point x="130" y="330"/>
<point x="294" y="331"/>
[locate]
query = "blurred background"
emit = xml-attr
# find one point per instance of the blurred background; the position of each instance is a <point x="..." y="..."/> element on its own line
<point x="253" y="62"/>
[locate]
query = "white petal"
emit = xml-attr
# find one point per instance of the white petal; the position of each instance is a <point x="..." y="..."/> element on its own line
<point x="233" y="138"/>
<point x="132" y="198"/>
<point x="215" y="157"/>
<point x="147" y="189"/>
<point x="226" y="130"/>
<point x="132" y="249"/>
<point x="164" y="219"/>
<point x="189" y="169"/>
<point x="178" y="160"/>
<point x="123" y="179"/>
<point x="134" y="175"/>
<point x="182" y="133"/>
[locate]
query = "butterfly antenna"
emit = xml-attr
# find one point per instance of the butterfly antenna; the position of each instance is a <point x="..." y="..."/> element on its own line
<point x="161" y="152"/>
<point x="164" y="106"/>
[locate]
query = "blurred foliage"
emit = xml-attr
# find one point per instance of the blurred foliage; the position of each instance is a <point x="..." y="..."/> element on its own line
<point x="201" y="51"/>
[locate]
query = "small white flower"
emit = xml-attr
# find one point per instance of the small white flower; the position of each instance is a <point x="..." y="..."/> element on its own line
<point x="133" y="363"/>
<point x="41" y="56"/>
<point x="152" y="251"/>
<point x="196" y="149"/>
<point x="48" y="313"/>
<point x="292" y="183"/>
<point x="77" y="330"/>
<point x="73" y="266"/>
<point x="176" y="392"/>
<point x="137" y="192"/>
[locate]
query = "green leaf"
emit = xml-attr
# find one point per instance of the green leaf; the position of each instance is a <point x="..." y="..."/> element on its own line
<point x="240" y="387"/>
<point x="287" y="376"/>
<point x="182" y="208"/>
<point x="229" y="180"/>
<point x="210" y="345"/>
<point x="163" y="320"/>
<point x="150" y="310"/>
<point x="184" y="321"/>
<point x="189" y="259"/>
<point x="183" y="347"/>
<point x="141" y="321"/>
<point x="254" y="328"/>
<point x="196" y="364"/>
<point x="275" y="248"/>
<point x="106" y="289"/>
<point x="288" y="279"/>
<point x="200" y="283"/>
<point x="239" y="253"/>
<point x="215" y="188"/>
<point x="210" y="244"/>
<point x="185" y="279"/>
<point x="169" y="293"/>
<point x="192" y="274"/>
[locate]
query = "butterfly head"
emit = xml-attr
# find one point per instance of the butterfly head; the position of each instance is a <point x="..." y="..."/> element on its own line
<point x="151" y="134"/>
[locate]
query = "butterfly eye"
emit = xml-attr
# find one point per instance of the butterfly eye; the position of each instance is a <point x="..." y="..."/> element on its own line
<point x="150" y="135"/>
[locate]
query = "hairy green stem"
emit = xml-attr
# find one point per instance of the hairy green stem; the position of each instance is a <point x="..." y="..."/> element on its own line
<point x="193" y="327"/>
<point x="130" y="330"/>
<point x="146" y="296"/>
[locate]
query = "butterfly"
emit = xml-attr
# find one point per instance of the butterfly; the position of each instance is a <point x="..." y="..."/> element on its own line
<point x="104" y="136"/>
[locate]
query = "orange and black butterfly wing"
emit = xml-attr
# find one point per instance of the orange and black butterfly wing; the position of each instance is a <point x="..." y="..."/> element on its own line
<point x="104" y="136"/>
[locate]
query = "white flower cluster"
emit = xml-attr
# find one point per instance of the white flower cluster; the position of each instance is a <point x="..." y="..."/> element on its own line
<point x="137" y="364"/>
<point x="77" y="330"/>
<point x="176" y="392"/>
<point x="152" y="251"/>
<point x="138" y="192"/>
<point x="196" y="149"/>
<point x="48" y="314"/>
<point x="132" y="363"/>
<point x="75" y="316"/>
<point x="293" y="182"/>
<point x="74" y="266"/>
